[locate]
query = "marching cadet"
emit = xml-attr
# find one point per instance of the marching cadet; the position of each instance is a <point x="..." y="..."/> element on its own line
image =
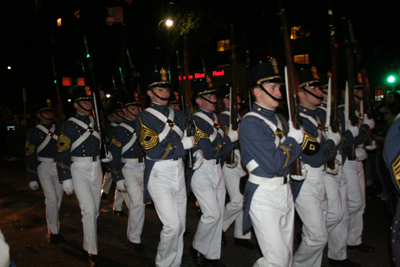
<point x="127" y="168"/>
<point x="310" y="194"/>
<point x="232" y="173"/>
<point x="267" y="155"/>
<point x="116" y="116"/>
<point x="162" y="136"/>
<point x="174" y="101"/>
<point x="391" y="155"/>
<point x="79" y="166"/>
<point x="354" y="172"/>
<point x="207" y="181"/>
<point x="40" y="151"/>
<point x="336" y="190"/>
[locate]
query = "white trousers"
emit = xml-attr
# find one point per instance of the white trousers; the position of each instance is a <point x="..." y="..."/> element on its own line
<point x="53" y="192"/>
<point x="234" y="209"/>
<point x="311" y="205"/>
<point x="354" y="172"/>
<point x="209" y="188"/>
<point x="272" y="215"/>
<point x="134" y="174"/>
<point x="119" y="197"/>
<point x="168" y="192"/>
<point x="337" y="219"/>
<point x="87" y="178"/>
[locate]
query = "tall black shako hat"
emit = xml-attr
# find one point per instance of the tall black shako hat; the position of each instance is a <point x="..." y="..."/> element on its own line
<point x="202" y="87"/>
<point x="45" y="106"/>
<point x="82" y="93"/>
<point x="308" y="76"/>
<point x="158" y="79"/>
<point x="265" y="72"/>
<point x="324" y="80"/>
<point x="131" y="99"/>
<point x="358" y="85"/>
<point x="225" y="91"/>
<point x="174" y="98"/>
<point x="114" y="106"/>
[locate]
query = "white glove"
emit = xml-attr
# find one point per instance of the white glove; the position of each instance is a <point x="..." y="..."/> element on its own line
<point x="353" y="129"/>
<point x="233" y="135"/>
<point x="199" y="159"/>
<point x="108" y="158"/>
<point x="335" y="137"/>
<point x="361" y="154"/>
<point x="235" y="162"/>
<point x="121" y="185"/>
<point x="187" y="142"/>
<point x="34" y="185"/>
<point x="369" y="122"/>
<point x="336" y="168"/>
<point x="373" y="146"/>
<point x="303" y="173"/>
<point x="297" y="135"/>
<point x="68" y="187"/>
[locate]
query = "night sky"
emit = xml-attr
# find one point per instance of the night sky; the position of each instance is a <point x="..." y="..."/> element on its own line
<point x="27" y="33"/>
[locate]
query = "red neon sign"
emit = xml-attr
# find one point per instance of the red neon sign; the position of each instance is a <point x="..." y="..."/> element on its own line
<point x="215" y="73"/>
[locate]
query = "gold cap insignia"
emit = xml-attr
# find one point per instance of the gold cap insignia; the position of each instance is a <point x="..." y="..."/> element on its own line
<point x="210" y="83"/>
<point x="88" y="92"/>
<point x="274" y="63"/>
<point x="136" y="97"/>
<point x="176" y="96"/>
<point x="48" y="102"/>
<point x="163" y="73"/>
<point x="314" y="72"/>
<point x="359" y="77"/>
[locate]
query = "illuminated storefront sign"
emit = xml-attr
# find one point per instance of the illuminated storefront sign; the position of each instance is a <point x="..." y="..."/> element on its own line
<point x="215" y="73"/>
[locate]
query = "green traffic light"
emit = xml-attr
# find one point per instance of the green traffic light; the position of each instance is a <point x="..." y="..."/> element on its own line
<point x="391" y="79"/>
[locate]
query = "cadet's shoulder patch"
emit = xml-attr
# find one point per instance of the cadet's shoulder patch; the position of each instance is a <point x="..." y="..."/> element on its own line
<point x="396" y="170"/>
<point x="148" y="138"/>
<point x="29" y="148"/>
<point x="115" y="142"/>
<point x="199" y="134"/>
<point x="310" y="145"/>
<point x="63" y="142"/>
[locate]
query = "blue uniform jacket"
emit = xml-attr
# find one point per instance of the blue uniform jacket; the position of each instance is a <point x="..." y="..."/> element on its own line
<point x="148" y="127"/>
<point x="68" y="134"/>
<point x="258" y="142"/>
<point x="224" y="121"/>
<point x="119" y="138"/>
<point x="34" y="138"/>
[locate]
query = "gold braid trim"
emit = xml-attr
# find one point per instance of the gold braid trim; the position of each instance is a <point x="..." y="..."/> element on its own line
<point x="396" y="170"/>
<point x="29" y="148"/>
<point x="62" y="165"/>
<point x="167" y="150"/>
<point x="148" y="137"/>
<point x="199" y="134"/>
<point x="308" y="138"/>
<point x="219" y="146"/>
<point x="63" y="142"/>
<point x="115" y="142"/>
<point x="31" y="171"/>
<point x="226" y="130"/>
<point x="285" y="149"/>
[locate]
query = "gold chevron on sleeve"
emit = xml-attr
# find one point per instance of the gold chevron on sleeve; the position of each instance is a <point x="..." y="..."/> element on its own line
<point x="63" y="142"/>
<point x="396" y="169"/>
<point x="226" y="130"/>
<point x="148" y="137"/>
<point x="115" y="142"/>
<point x="167" y="150"/>
<point x="308" y="138"/>
<point x="62" y="165"/>
<point x="219" y="146"/>
<point x="287" y="152"/>
<point x="29" y="148"/>
<point x="199" y="134"/>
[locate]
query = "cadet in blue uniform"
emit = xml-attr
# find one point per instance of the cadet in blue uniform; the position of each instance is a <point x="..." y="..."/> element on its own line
<point x="116" y="116"/>
<point x="267" y="155"/>
<point x="354" y="172"/>
<point x="232" y="173"/>
<point x="162" y="136"/>
<point x="310" y="194"/>
<point x="337" y="216"/>
<point x="207" y="181"/>
<point x="127" y="168"/>
<point x="79" y="166"/>
<point x="40" y="151"/>
<point x="391" y="155"/>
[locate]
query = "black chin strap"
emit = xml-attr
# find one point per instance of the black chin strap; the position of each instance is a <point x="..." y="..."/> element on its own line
<point x="209" y="101"/>
<point x="358" y="97"/>
<point x="162" y="98"/>
<point x="314" y="95"/>
<point x="134" y="116"/>
<point x="116" y="113"/>
<point x="271" y="96"/>
<point x="79" y="104"/>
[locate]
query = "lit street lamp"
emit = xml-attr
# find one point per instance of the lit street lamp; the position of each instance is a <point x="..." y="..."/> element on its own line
<point x="168" y="24"/>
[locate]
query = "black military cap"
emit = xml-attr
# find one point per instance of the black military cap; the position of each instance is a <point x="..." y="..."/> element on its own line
<point x="225" y="91"/>
<point x="264" y="72"/>
<point x="358" y="85"/>
<point x="114" y="106"/>
<point x="202" y="87"/>
<point x="174" y="98"/>
<point x="158" y="79"/>
<point x="82" y="93"/>
<point x="308" y="76"/>
<point x="324" y="80"/>
<point x="131" y="99"/>
<point x="45" y="106"/>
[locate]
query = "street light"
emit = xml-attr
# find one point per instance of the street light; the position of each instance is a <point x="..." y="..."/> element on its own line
<point x="168" y="24"/>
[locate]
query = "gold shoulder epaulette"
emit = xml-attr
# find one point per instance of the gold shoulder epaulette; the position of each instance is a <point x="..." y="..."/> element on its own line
<point x="148" y="137"/>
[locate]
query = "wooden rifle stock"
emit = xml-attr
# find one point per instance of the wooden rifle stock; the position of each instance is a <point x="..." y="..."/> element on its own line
<point x="230" y="157"/>
<point x="293" y="83"/>
<point x="135" y="77"/>
<point x="187" y="98"/>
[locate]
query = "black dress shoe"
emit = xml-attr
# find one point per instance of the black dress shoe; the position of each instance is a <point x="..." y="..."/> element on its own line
<point x="199" y="259"/>
<point x="103" y="196"/>
<point x="120" y="213"/>
<point x="362" y="247"/>
<point x="138" y="247"/>
<point x="216" y="263"/>
<point x="344" y="263"/>
<point x="244" y="243"/>
<point x="54" y="238"/>
<point x="223" y="239"/>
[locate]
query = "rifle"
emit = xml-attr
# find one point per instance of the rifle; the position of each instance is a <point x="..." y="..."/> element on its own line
<point x="230" y="157"/>
<point x="292" y="83"/>
<point x="187" y="105"/>
<point x="350" y="86"/>
<point x="135" y="75"/>
<point x="332" y="118"/>
<point x="98" y="110"/>
<point x="59" y="104"/>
